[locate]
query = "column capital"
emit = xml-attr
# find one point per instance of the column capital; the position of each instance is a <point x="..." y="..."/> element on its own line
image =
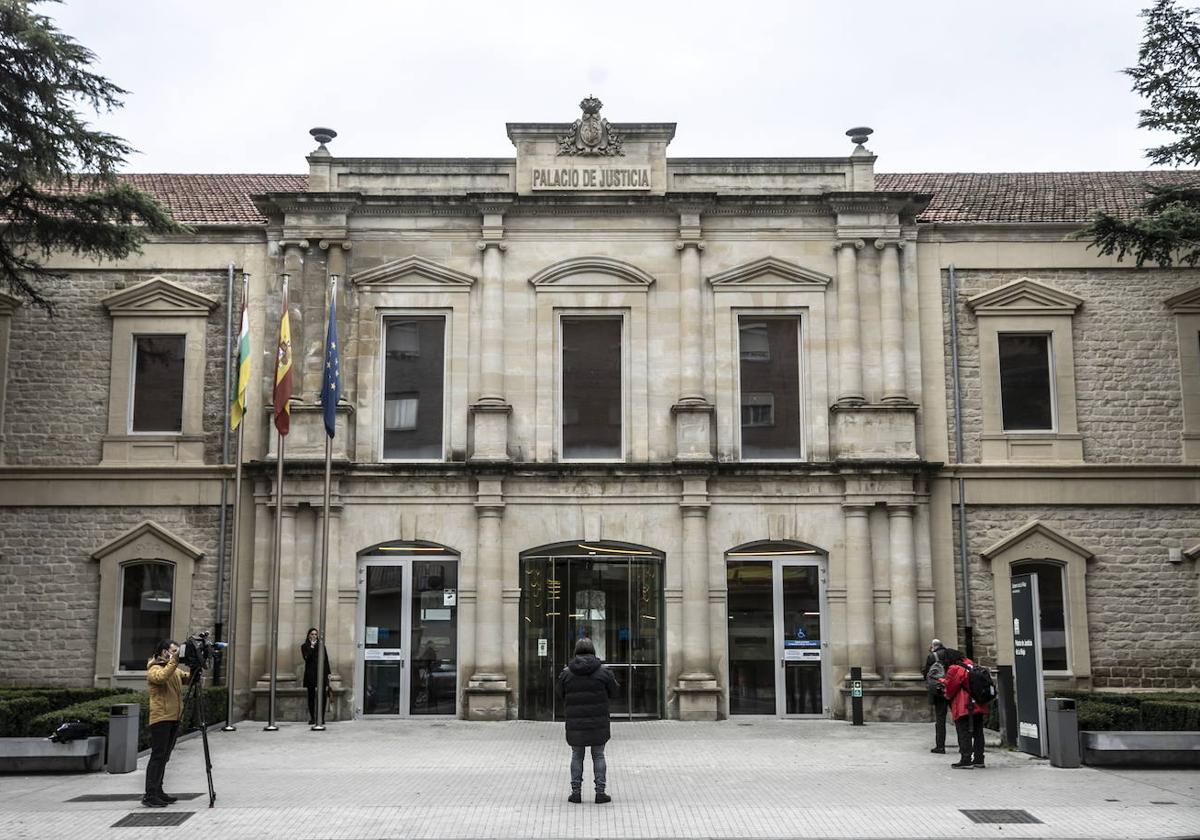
<point x="297" y="243"/>
<point x="880" y="244"/>
<point x="857" y="508"/>
<point x="497" y="243"/>
<point x="696" y="242"/>
<point x="856" y="244"/>
<point x="900" y="508"/>
<point x="326" y="244"/>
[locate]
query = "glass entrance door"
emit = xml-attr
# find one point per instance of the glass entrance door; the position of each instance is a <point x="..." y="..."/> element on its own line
<point x="615" y="600"/>
<point x="777" y="638"/>
<point x="407" y="636"/>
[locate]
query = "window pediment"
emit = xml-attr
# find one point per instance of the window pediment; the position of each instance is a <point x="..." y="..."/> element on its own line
<point x="1187" y="303"/>
<point x="8" y="304"/>
<point x="148" y="541"/>
<point x="769" y="272"/>
<point x="158" y="297"/>
<point x="592" y="272"/>
<point x="1036" y="541"/>
<point x="1024" y="297"/>
<point x="413" y="272"/>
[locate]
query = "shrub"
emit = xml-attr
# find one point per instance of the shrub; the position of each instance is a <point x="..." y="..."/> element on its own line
<point x="95" y="713"/>
<point x="1097" y="716"/>
<point x="19" y="705"/>
<point x="1171" y="716"/>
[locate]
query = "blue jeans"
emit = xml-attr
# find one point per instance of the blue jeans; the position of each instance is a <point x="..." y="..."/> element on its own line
<point x="599" y="767"/>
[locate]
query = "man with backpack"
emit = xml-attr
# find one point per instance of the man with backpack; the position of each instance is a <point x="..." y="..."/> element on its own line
<point x="934" y="672"/>
<point x="969" y="687"/>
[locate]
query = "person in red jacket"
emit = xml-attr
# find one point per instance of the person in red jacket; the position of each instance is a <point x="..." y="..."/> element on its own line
<point x="968" y="715"/>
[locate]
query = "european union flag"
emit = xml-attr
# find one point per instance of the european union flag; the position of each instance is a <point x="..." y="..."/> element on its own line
<point x="331" y="387"/>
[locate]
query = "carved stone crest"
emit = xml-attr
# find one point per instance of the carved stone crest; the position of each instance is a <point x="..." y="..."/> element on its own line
<point x="591" y="134"/>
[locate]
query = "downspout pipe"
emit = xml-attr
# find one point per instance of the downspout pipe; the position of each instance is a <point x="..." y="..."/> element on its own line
<point x="968" y="634"/>
<point x="219" y="620"/>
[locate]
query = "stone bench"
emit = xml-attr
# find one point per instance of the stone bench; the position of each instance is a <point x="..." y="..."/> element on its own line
<point x="26" y="755"/>
<point x="1141" y="749"/>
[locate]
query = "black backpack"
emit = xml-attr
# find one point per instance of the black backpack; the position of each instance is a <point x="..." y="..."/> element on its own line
<point x="980" y="685"/>
<point x="935" y="674"/>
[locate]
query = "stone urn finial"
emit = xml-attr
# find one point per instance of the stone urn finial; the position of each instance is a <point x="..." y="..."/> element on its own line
<point x="322" y="136"/>
<point x="859" y="135"/>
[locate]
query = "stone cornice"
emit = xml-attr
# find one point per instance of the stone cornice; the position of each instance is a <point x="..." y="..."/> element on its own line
<point x="768" y="271"/>
<point x="156" y="533"/>
<point x="336" y="203"/>
<point x="1187" y="303"/>
<point x="1033" y="530"/>
<point x="900" y="203"/>
<point x="400" y="274"/>
<point x="8" y="304"/>
<point x="616" y="272"/>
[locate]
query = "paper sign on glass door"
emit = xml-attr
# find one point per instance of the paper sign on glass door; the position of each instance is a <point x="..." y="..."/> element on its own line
<point x="372" y="635"/>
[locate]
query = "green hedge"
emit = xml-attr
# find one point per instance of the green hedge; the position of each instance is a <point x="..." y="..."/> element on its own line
<point x="1096" y="716"/>
<point x="1170" y="716"/>
<point x="20" y="705"/>
<point x="94" y="713"/>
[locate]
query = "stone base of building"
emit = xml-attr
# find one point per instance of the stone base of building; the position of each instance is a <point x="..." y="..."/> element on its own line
<point x="890" y="702"/>
<point x="291" y="704"/>
<point x="486" y="698"/>
<point x="699" y="699"/>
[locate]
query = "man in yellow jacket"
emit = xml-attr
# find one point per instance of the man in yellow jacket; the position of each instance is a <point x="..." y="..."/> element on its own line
<point x="166" y="679"/>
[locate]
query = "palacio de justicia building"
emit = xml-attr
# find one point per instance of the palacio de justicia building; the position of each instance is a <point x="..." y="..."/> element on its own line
<point x="745" y="422"/>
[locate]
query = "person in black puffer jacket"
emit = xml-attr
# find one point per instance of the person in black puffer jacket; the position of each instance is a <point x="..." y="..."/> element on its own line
<point x="585" y="686"/>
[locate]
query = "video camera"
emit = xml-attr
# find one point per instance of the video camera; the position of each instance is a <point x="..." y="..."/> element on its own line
<point x="199" y="651"/>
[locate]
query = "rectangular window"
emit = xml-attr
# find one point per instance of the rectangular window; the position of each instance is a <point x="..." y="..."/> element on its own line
<point x="769" y="359"/>
<point x="1025" y="392"/>
<point x="146" y="594"/>
<point x="591" y="388"/>
<point x="157" y="383"/>
<point x="414" y="375"/>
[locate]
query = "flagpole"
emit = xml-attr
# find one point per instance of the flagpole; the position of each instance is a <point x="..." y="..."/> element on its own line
<point x="231" y="650"/>
<point x="277" y="558"/>
<point x="324" y="650"/>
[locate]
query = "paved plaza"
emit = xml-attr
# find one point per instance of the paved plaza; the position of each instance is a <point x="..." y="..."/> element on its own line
<point x="454" y="779"/>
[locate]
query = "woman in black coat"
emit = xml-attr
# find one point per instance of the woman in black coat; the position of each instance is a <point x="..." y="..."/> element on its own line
<point x="585" y="686"/>
<point x="309" y="650"/>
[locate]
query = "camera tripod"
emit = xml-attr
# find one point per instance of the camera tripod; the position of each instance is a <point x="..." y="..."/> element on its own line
<point x="195" y="699"/>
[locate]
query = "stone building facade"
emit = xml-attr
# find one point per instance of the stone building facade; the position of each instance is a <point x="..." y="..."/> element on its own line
<point x="701" y="410"/>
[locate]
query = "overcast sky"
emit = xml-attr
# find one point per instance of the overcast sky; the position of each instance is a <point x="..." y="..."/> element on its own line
<point x="235" y="85"/>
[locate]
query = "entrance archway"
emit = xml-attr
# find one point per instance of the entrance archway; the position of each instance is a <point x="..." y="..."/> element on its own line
<point x="608" y="591"/>
<point x="777" y="630"/>
<point x="406" y="630"/>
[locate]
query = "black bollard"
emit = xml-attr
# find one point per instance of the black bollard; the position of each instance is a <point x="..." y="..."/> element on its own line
<point x="856" y="713"/>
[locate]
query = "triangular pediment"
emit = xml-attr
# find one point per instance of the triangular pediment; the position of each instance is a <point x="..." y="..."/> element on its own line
<point x="8" y="304"/>
<point x="1187" y="303"/>
<point x="159" y="297"/>
<point x="1035" y="541"/>
<point x="149" y="541"/>
<point x="769" y="271"/>
<point x="413" y="271"/>
<point x="1024" y="297"/>
<point x="591" y="272"/>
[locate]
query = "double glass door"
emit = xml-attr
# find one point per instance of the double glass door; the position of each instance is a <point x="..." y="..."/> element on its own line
<point x="407" y="636"/>
<point x="615" y="600"/>
<point x="777" y="638"/>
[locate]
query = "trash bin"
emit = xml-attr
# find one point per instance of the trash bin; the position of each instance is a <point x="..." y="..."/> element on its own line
<point x="123" y="737"/>
<point x="1062" y="732"/>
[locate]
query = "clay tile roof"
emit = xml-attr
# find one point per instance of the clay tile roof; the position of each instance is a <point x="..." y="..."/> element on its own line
<point x="973" y="197"/>
<point x="215" y="199"/>
<point x="958" y="197"/>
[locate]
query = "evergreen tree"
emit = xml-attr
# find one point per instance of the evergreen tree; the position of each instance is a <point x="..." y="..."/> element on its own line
<point x="59" y="189"/>
<point x="1167" y="75"/>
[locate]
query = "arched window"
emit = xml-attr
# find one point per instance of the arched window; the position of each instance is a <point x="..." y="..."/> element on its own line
<point x="1051" y="600"/>
<point x="147" y="598"/>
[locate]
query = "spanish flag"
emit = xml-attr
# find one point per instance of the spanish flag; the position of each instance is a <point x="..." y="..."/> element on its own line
<point x="238" y="409"/>
<point x="283" y="370"/>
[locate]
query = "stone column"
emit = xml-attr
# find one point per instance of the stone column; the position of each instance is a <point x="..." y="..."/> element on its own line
<point x="860" y="586"/>
<point x="906" y="641"/>
<point x="850" y="388"/>
<point x="487" y="690"/>
<point x="892" y="321"/>
<point x="699" y="694"/>
<point x="491" y="412"/>
<point x="693" y="413"/>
